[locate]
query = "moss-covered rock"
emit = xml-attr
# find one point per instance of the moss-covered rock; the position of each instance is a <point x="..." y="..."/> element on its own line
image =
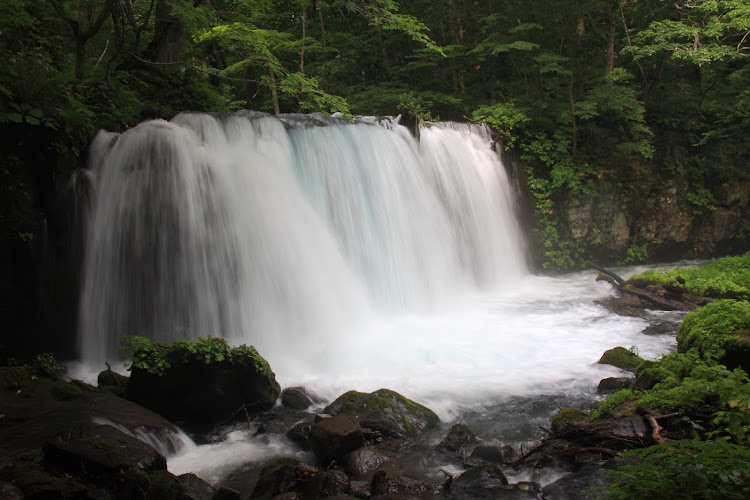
<point x="613" y="384"/>
<point x="568" y="419"/>
<point x="202" y="383"/>
<point x="721" y="328"/>
<point x="622" y="358"/>
<point x="164" y="486"/>
<point x="66" y="390"/>
<point x="113" y="382"/>
<point x="385" y="411"/>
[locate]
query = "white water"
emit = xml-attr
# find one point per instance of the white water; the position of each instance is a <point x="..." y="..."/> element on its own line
<point x="350" y="255"/>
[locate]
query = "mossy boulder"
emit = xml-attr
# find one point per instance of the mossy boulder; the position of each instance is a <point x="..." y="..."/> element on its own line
<point x="480" y="481"/>
<point x="202" y="383"/>
<point x="622" y="358"/>
<point x="385" y="411"/>
<point x="613" y="384"/>
<point x="568" y="419"/>
<point x="113" y="382"/>
<point x="296" y="398"/>
<point x="721" y="328"/>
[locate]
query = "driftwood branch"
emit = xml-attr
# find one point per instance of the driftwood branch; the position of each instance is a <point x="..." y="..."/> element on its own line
<point x="620" y="282"/>
<point x="235" y="412"/>
<point x="655" y="428"/>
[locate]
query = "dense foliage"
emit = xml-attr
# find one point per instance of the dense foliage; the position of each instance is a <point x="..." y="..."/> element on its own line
<point x="727" y="278"/>
<point x="593" y="94"/>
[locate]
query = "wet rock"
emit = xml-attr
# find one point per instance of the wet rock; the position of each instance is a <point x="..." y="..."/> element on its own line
<point x="196" y="488"/>
<point x="10" y="492"/>
<point x="296" y="398"/>
<point x="460" y="439"/>
<point x="289" y="475"/>
<point x="225" y="493"/>
<point x="334" y="437"/>
<point x="624" y="305"/>
<point x="113" y="382"/>
<point x="379" y="483"/>
<point x="101" y="450"/>
<point x="273" y="426"/>
<point x="363" y="460"/>
<point x="385" y="411"/>
<point x="613" y="384"/>
<point x="621" y="358"/>
<point x="198" y="393"/>
<point x="300" y="434"/>
<point x="585" y="484"/>
<point x="493" y="454"/>
<point x="165" y="486"/>
<point x="481" y="481"/>
<point x="629" y="427"/>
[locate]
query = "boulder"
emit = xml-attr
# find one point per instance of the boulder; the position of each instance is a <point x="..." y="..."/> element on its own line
<point x="113" y="382"/>
<point x="196" y="488"/>
<point x="334" y="437"/>
<point x="493" y="454"/>
<point x="481" y="481"/>
<point x="296" y="398"/>
<point x="363" y="460"/>
<point x="385" y="411"/>
<point x="165" y="486"/>
<point x="101" y="449"/>
<point x="621" y="358"/>
<point x="300" y="434"/>
<point x="460" y="439"/>
<point x="199" y="393"/>
<point x="285" y="475"/>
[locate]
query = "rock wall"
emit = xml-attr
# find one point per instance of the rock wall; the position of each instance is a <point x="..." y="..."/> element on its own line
<point x="659" y="222"/>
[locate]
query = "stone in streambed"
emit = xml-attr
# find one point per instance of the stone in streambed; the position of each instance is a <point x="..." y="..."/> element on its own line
<point x="622" y="358"/>
<point x="334" y="437"/>
<point x="385" y="411"/>
<point x="298" y="398"/>
<point x="289" y="475"/>
<point x="196" y="488"/>
<point x="363" y="460"/>
<point x="613" y="384"/>
<point x="460" y="439"/>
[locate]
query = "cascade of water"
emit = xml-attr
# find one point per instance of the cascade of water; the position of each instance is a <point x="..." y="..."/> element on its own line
<point x="286" y="232"/>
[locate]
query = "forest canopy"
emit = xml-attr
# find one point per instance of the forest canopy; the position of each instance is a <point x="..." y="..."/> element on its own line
<point x="591" y="93"/>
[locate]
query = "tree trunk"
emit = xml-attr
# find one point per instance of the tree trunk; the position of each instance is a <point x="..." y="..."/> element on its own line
<point x="304" y="34"/>
<point x="274" y="91"/>
<point x="170" y="36"/>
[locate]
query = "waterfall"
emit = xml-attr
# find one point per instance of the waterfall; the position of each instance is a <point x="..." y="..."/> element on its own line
<point x="288" y="233"/>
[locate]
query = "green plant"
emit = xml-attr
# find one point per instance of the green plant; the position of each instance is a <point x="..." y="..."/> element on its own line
<point x="158" y="357"/>
<point x="722" y="325"/>
<point x="505" y="118"/>
<point x="687" y="469"/>
<point x="46" y="364"/>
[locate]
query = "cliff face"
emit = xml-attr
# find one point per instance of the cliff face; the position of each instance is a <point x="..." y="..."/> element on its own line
<point x="659" y="222"/>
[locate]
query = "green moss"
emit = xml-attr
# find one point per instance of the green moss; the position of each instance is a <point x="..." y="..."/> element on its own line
<point x="66" y="390"/>
<point x="683" y="469"/>
<point x="621" y="358"/>
<point x="619" y="403"/>
<point x="720" y="328"/>
<point x="15" y="378"/>
<point x="568" y="419"/>
<point x="727" y="278"/>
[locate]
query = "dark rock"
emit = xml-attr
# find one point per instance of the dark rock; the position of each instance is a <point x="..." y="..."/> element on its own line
<point x="613" y="384"/>
<point x="624" y="305"/>
<point x="225" y="493"/>
<point x="206" y="394"/>
<point x="164" y="486"/>
<point x="459" y="439"/>
<point x="296" y="398"/>
<point x="196" y="488"/>
<point x="379" y="483"/>
<point x="101" y="450"/>
<point x="363" y="460"/>
<point x="273" y="426"/>
<point x="493" y="454"/>
<point x="481" y="481"/>
<point x="289" y="475"/>
<point x="629" y="427"/>
<point x="300" y="434"/>
<point x="10" y="492"/>
<point x="385" y="411"/>
<point x="113" y="382"/>
<point x="334" y="437"/>
<point x="585" y="484"/>
<point x="621" y="358"/>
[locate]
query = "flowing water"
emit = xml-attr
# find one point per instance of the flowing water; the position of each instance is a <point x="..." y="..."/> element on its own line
<point x="353" y="257"/>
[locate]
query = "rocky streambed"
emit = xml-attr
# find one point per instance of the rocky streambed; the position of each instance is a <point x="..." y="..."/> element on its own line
<point x="68" y="439"/>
